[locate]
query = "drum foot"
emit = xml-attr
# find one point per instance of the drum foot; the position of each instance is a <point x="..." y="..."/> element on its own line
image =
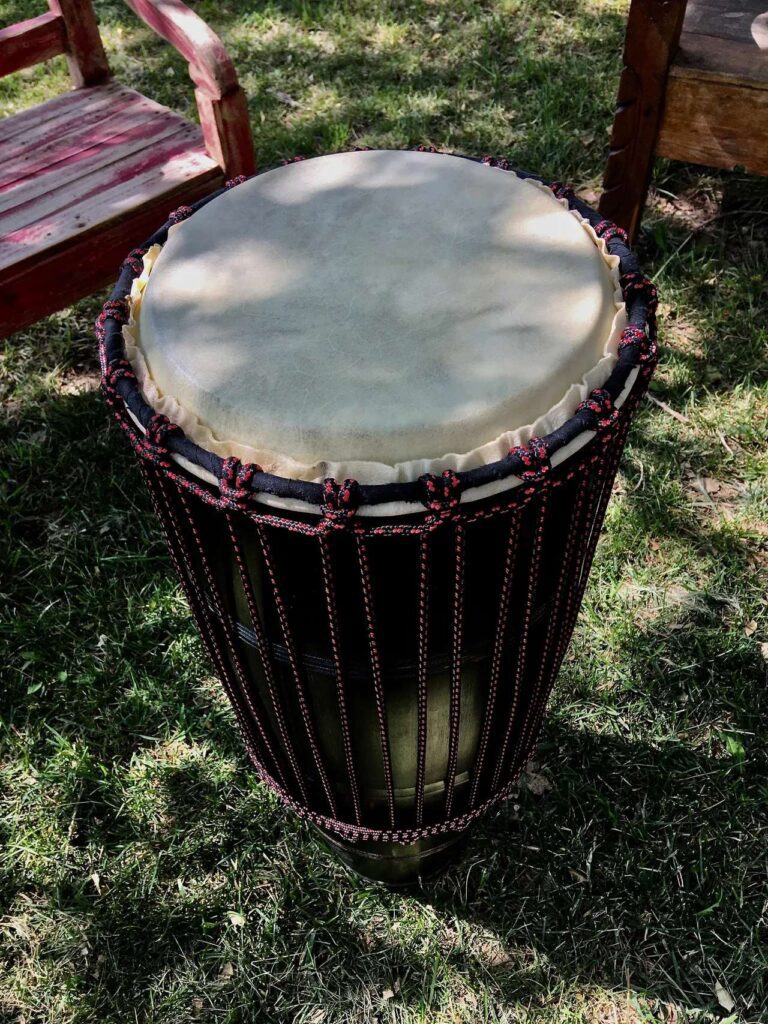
<point x="398" y="865"/>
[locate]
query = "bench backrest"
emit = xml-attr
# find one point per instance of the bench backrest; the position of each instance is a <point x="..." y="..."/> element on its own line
<point x="69" y="27"/>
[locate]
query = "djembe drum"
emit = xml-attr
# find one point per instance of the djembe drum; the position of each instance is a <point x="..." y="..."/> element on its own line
<point x="295" y="361"/>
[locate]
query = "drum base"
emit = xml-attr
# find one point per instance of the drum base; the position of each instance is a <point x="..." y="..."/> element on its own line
<point x="398" y="865"/>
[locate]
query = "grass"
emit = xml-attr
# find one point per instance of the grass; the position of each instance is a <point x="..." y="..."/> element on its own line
<point x="146" y="875"/>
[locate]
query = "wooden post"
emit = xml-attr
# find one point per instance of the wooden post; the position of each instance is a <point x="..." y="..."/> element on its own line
<point x="85" y="51"/>
<point x="652" y="39"/>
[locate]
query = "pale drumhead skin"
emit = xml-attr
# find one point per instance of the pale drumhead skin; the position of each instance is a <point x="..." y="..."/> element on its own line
<point x="382" y="306"/>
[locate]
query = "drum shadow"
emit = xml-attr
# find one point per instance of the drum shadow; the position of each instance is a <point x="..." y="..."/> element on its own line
<point x="631" y="863"/>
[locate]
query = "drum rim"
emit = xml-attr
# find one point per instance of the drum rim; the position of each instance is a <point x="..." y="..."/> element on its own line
<point x="637" y="350"/>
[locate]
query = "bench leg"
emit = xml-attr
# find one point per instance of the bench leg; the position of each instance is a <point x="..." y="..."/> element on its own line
<point x="652" y="39"/>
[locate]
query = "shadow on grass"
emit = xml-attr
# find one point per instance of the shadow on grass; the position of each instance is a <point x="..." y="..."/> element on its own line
<point x="643" y="866"/>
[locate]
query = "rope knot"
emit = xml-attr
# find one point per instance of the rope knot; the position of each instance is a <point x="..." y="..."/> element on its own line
<point x="603" y="413"/>
<point x="635" y="283"/>
<point x="179" y="214"/>
<point x="118" y="369"/>
<point x="234" y="182"/>
<point x="113" y="309"/>
<point x="340" y="502"/>
<point x="495" y="161"/>
<point x="159" y="429"/>
<point x="636" y="339"/>
<point x="235" y="480"/>
<point x="607" y="230"/>
<point x="442" y="494"/>
<point x="561" y="191"/>
<point x="134" y="261"/>
<point x="535" y="459"/>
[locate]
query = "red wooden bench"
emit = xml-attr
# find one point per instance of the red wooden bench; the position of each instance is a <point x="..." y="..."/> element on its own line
<point x="90" y="173"/>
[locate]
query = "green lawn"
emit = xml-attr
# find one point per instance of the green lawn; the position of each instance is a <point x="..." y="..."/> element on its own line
<point x="145" y="874"/>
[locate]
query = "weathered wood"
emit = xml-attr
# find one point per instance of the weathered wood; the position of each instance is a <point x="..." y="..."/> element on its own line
<point x="62" y="123"/>
<point x="32" y="122"/>
<point x="221" y="103"/>
<point x="62" y="149"/>
<point x="85" y="52"/>
<point x="31" y="42"/>
<point x="210" y="66"/>
<point x="653" y="32"/>
<point x="152" y="172"/>
<point x="715" y="123"/>
<point x="87" y="175"/>
<point x="227" y="132"/>
<point x="130" y="153"/>
<point x="704" y="101"/>
<point x="726" y="19"/>
<point x="60" y="276"/>
<point x="722" y="60"/>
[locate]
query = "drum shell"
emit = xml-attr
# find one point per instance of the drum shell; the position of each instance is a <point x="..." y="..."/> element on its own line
<point x="334" y="646"/>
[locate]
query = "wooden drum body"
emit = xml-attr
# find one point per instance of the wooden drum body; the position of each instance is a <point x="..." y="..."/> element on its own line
<point x="389" y="673"/>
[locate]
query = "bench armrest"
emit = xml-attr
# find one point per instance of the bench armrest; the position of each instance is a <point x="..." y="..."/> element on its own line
<point x="220" y="100"/>
<point x="210" y="66"/>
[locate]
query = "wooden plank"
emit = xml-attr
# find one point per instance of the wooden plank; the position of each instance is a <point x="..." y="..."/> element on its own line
<point x="724" y="19"/>
<point x="79" y="141"/>
<point x="653" y="32"/>
<point x="721" y="60"/>
<point x="29" y="125"/>
<point x="122" y="190"/>
<point x="716" y="124"/>
<point x="35" y="189"/>
<point x="31" y="42"/>
<point x="132" y="154"/>
<point x="90" y="261"/>
<point x="85" y="52"/>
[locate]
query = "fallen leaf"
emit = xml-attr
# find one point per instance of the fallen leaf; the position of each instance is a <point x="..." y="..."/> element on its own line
<point x="764" y="651"/>
<point x="96" y="882"/>
<point x="387" y="994"/>
<point x="751" y="628"/>
<point x="226" y="973"/>
<point x="724" y="997"/>
<point x="236" y="919"/>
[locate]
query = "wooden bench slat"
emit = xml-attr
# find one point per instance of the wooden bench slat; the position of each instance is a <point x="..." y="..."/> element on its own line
<point x="27" y="125"/>
<point x="77" y="182"/>
<point x="724" y="19"/>
<point x="725" y="60"/>
<point x="78" y="142"/>
<point x="121" y="192"/>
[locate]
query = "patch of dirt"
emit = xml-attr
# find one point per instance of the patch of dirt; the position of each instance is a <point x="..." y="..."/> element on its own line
<point x="78" y="383"/>
<point x="680" y="333"/>
<point x="693" y="209"/>
<point x="711" y="495"/>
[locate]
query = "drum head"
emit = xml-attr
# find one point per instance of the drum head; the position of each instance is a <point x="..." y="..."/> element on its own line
<point x="367" y="313"/>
